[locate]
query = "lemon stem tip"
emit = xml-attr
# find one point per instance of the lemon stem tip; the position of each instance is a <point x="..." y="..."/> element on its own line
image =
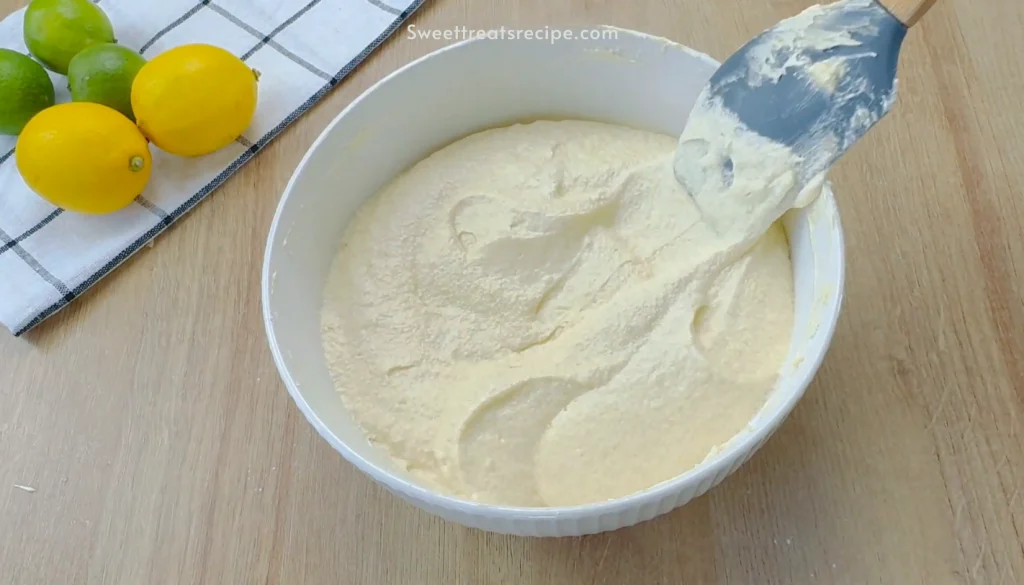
<point x="137" y="163"/>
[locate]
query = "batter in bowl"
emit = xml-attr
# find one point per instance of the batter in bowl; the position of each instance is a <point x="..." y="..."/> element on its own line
<point x="538" y="315"/>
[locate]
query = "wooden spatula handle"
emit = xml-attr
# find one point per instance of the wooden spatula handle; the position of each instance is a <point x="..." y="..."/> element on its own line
<point x="907" y="11"/>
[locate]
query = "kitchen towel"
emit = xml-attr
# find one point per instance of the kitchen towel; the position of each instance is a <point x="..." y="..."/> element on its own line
<point x="302" y="48"/>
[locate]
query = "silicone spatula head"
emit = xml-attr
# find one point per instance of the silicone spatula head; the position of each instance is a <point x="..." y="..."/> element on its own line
<point x="816" y="82"/>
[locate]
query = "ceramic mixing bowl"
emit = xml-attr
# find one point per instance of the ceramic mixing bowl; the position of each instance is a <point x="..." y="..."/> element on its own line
<point x="623" y="78"/>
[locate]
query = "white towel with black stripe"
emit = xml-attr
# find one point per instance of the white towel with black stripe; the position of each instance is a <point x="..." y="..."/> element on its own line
<point x="302" y="48"/>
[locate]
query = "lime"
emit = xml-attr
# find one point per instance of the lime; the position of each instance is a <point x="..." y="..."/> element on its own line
<point x="25" y="90"/>
<point x="103" y="74"/>
<point x="57" y="30"/>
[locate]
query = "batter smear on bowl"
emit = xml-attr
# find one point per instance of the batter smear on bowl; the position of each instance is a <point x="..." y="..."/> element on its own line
<point x="538" y="315"/>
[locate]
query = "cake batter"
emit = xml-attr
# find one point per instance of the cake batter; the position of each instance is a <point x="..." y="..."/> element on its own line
<point x="537" y="315"/>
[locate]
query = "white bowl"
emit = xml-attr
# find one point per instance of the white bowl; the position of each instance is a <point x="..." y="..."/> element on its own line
<point x="634" y="80"/>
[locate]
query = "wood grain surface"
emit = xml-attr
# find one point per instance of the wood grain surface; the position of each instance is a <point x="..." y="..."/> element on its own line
<point x="163" y="449"/>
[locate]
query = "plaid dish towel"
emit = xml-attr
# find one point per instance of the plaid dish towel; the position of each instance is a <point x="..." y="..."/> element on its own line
<point x="302" y="48"/>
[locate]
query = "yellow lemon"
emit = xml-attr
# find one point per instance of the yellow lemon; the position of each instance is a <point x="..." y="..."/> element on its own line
<point x="194" y="99"/>
<point x="84" y="157"/>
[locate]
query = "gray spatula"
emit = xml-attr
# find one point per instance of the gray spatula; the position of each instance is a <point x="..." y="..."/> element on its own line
<point x="823" y="91"/>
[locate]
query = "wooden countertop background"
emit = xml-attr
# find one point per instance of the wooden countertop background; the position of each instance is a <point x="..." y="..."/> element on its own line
<point x="164" y="450"/>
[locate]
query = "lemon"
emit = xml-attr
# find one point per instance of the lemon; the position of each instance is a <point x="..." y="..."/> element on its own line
<point x="57" y="30"/>
<point x="84" y="157"/>
<point x="25" y="90"/>
<point x="194" y="99"/>
<point x="103" y="74"/>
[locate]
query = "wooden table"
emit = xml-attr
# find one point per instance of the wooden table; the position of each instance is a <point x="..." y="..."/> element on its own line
<point x="163" y="449"/>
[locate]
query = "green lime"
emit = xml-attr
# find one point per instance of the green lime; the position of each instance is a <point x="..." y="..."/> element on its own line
<point x="25" y="90"/>
<point x="103" y="74"/>
<point x="57" y="30"/>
